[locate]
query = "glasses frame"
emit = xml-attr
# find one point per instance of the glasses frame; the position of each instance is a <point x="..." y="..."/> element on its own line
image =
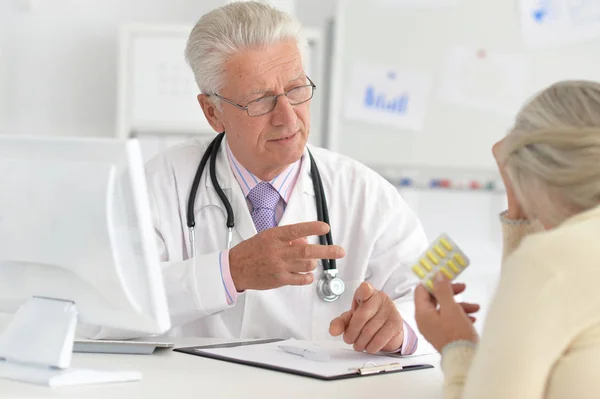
<point x="274" y="97"/>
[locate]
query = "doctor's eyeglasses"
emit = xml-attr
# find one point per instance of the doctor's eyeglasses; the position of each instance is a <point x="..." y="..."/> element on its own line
<point x="264" y="105"/>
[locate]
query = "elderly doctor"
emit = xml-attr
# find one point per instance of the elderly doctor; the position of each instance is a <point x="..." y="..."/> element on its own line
<point x="271" y="282"/>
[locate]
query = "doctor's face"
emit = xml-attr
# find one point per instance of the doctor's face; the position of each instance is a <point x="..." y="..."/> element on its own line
<point x="264" y="144"/>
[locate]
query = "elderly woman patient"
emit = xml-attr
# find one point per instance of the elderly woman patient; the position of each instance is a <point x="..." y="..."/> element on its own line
<point x="542" y="334"/>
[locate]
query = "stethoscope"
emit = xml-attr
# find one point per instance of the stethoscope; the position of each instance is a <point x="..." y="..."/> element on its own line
<point x="329" y="287"/>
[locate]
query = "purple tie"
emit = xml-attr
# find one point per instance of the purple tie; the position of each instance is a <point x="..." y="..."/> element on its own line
<point x="264" y="199"/>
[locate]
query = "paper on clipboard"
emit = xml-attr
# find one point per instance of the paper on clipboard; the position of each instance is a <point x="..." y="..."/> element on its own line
<point x="344" y="360"/>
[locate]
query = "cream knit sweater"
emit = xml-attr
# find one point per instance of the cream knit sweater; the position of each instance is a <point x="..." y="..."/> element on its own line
<point x="542" y="333"/>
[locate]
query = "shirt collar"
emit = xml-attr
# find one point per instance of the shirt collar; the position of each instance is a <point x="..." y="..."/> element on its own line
<point x="284" y="182"/>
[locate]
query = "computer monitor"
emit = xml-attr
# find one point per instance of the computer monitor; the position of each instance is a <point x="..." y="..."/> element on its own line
<point x="76" y="245"/>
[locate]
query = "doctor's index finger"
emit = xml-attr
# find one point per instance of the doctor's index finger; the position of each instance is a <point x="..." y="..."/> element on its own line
<point x="306" y="229"/>
<point x="364" y="292"/>
<point x="315" y="251"/>
<point x="299" y="241"/>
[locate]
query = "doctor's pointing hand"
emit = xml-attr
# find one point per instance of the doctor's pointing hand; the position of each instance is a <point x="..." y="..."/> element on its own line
<point x="280" y="256"/>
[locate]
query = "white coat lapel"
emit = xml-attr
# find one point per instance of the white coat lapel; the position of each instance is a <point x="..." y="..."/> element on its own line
<point x="301" y="207"/>
<point x="242" y="218"/>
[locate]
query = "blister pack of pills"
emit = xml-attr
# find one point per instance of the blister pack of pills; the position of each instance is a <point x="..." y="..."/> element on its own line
<point x="443" y="255"/>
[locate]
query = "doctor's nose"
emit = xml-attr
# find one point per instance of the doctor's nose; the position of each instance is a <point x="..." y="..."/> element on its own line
<point x="284" y="114"/>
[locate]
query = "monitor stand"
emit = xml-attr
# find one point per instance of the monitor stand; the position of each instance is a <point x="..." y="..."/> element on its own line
<point x="37" y="347"/>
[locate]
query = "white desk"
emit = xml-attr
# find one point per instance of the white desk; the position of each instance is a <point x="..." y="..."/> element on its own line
<point x="173" y="375"/>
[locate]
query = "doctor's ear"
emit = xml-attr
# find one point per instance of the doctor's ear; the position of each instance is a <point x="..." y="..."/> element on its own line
<point x="211" y="113"/>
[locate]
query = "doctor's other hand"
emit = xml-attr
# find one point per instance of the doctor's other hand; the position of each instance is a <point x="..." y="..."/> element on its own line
<point x="440" y="318"/>
<point x="373" y="324"/>
<point x="280" y="256"/>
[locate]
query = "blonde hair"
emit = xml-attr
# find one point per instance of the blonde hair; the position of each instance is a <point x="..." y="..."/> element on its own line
<point x="552" y="154"/>
<point x="233" y="28"/>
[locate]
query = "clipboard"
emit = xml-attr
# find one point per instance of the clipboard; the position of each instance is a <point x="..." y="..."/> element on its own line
<point x="382" y="365"/>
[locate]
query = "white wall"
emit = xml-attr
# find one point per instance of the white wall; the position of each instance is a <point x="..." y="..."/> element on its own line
<point x="58" y="63"/>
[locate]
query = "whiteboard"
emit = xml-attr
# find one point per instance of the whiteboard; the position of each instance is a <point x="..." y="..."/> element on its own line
<point x="157" y="90"/>
<point x="157" y="87"/>
<point x="458" y="130"/>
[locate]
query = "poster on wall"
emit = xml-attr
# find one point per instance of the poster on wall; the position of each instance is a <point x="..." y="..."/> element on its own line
<point x="484" y="80"/>
<point x="388" y="96"/>
<point x="546" y="23"/>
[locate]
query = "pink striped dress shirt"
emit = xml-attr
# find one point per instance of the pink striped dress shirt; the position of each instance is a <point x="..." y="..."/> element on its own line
<point x="284" y="183"/>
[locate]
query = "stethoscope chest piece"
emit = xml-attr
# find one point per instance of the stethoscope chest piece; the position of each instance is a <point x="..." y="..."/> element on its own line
<point x="330" y="287"/>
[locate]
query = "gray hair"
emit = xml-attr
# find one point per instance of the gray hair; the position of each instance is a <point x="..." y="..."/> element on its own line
<point x="552" y="154"/>
<point x="233" y="28"/>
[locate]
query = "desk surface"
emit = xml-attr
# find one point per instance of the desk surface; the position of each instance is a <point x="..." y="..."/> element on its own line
<point x="174" y="375"/>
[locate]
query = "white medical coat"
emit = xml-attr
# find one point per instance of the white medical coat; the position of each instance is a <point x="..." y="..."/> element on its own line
<point x="381" y="235"/>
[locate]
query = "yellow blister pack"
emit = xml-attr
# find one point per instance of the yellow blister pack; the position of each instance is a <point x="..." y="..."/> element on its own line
<point x="443" y="255"/>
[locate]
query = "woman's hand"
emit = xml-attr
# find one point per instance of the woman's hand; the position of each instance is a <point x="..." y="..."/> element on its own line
<point x="448" y="322"/>
<point x="515" y="211"/>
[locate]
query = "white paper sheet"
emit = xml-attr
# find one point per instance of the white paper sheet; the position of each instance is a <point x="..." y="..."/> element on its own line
<point x="383" y="95"/>
<point x="484" y="80"/>
<point x="556" y="22"/>
<point x="344" y="360"/>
